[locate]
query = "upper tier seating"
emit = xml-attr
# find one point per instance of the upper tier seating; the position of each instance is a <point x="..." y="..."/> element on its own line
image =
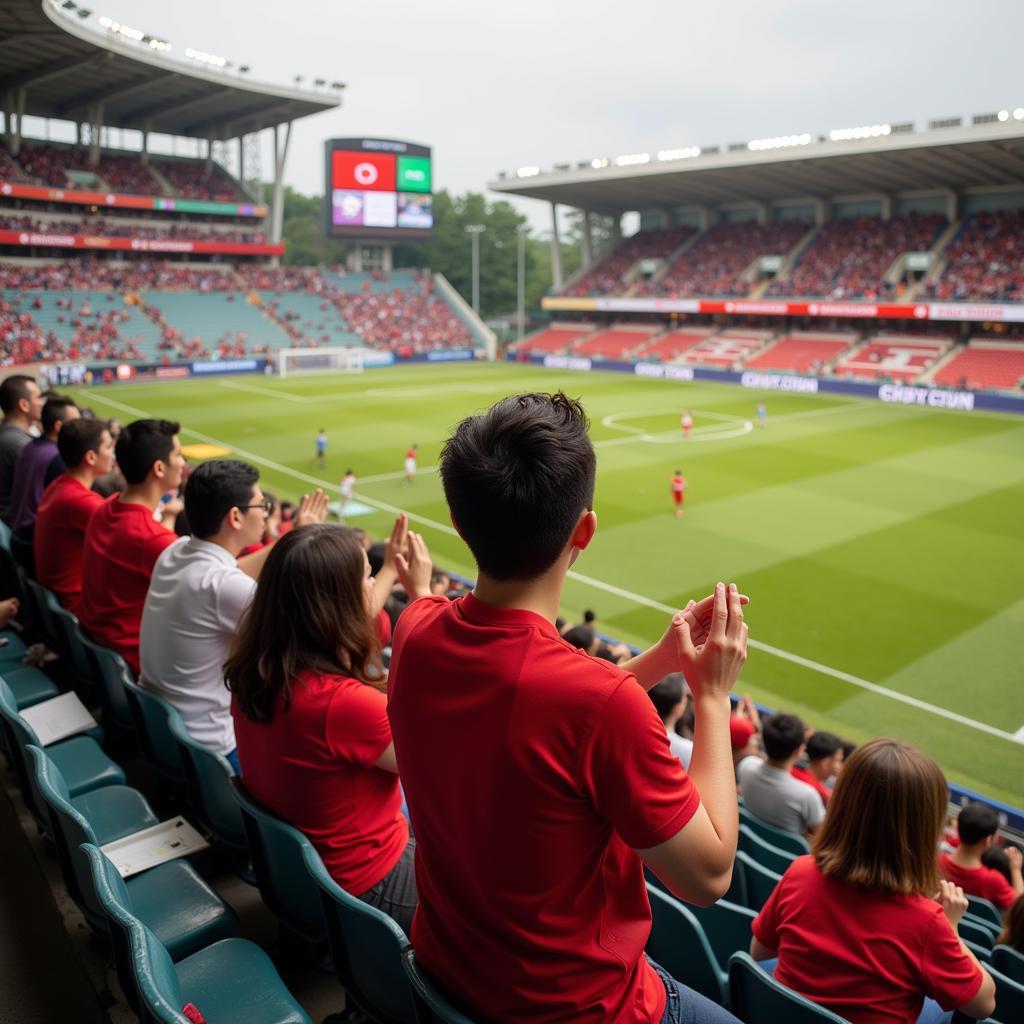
<point x="800" y="353"/>
<point x="554" y="339"/>
<point x="118" y="227"/>
<point x="310" y="319"/>
<point x="848" y="259"/>
<point x="121" y="172"/>
<point x="985" y="365"/>
<point x="605" y="277"/>
<point x="894" y="357"/>
<point x="672" y="345"/>
<point x="356" y="282"/>
<point x="715" y="263"/>
<point x="725" y="349"/>
<point x="615" y="343"/>
<point x="985" y="261"/>
<point x="400" y="321"/>
<point x="190" y="179"/>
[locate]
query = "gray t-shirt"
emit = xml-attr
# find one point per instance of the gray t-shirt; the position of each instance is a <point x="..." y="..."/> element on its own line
<point x="12" y="440"/>
<point x="775" y="797"/>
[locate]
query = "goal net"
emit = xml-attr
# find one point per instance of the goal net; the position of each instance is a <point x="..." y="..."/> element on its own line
<point x="294" y="361"/>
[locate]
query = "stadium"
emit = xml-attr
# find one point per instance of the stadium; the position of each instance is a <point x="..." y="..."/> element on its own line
<point x="800" y="360"/>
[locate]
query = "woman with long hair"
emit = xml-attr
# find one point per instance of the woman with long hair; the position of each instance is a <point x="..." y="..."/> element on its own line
<point x="310" y="711"/>
<point x="863" y="925"/>
<point x="1012" y="934"/>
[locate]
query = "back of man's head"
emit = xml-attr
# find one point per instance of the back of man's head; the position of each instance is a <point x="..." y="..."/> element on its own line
<point x="666" y="694"/>
<point x="517" y="479"/>
<point x="783" y="735"/>
<point x="13" y="390"/>
<point x="822" y="745"/>
<point x="141" y="444"/>
<point x="79" y="437"/>
<point x="582" y="637"/>
<point x="977" y="821"/>
<point x="214" y="488"/>
<point x="57" y="409"/>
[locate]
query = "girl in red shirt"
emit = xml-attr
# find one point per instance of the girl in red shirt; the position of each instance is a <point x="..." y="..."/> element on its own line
<point x="863" y="926"/>
<point x="310" y="712"/>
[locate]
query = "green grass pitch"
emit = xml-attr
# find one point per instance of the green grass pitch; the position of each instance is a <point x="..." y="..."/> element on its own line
<point x="881" y="546"/>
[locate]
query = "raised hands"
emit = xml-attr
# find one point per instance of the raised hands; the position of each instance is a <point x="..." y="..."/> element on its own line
<point x="711" y="648"/>
<point x="414" y="568"/>
<point x="953" y="901"/>
<point x="312" y="509"/>
<point x="396" y="544"/>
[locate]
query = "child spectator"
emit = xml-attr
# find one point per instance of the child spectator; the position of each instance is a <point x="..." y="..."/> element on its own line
<point x="824" y="761"/>
<point x="855" y="925"/>
<point x="670" y="699"/>
<point x="977" y="826"/>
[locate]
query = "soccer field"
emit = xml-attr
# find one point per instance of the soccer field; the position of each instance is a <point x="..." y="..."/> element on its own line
<point x="881" y="545"/>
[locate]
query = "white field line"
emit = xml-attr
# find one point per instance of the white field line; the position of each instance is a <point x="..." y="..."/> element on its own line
<point x="447" y="528"/>
<point x="393" y="391"/>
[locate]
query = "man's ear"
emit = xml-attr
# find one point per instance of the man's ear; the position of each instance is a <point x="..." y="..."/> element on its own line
<point x="586" y="527"/>
<point x="457" y="530"/>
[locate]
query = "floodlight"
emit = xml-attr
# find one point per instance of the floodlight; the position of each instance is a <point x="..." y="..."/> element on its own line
<point x="69" y="5"/>
<point x="337" y="85"/>
<point x="84" y="12"/>
<point x="679" y="154"/>
<point x="1003" y="115"/>
<point x="244" y="69"/>
<point x="599" y="161"/>
<point x="631" y="159"/>
<point x="1018" y="114"/>
<point x="527" y="172"/>
<point x="319" y="82"/>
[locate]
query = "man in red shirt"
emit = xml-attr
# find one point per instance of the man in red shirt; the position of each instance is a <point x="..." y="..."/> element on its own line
<point x="124" y="539"/>
<point x="824" y="753"/>
<point x="540" y="780"/>
<point x="977" y="826"/>
<point x="679" y="493"/>
<point x="87" y="449"/>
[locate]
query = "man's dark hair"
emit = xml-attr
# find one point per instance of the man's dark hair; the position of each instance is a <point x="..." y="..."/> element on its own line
<point x="516" y="479"/>
<point x="822" y="745"/>
<point x="977" y="821"/>
<point x="77" y="437"/>
<point x="376" y="555"/>
<point x="213" y="489"/>
<point x="589" y="617"/>
<point x="142" y="443"/>
<point x="13" y="390"/>
<point x="667" y="693"/>
<point x="56" y="409"/>
<point x="783" y="736"/>
<point x="579" y="636"/>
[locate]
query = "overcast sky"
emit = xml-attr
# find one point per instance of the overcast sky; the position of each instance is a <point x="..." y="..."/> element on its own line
<point x="549" y="81"/>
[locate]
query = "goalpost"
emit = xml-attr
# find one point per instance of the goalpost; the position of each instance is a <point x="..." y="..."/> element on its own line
<point x="291" y="362"/>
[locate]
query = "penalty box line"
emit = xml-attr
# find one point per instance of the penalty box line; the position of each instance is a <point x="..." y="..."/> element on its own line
<point x="447" y="528"/>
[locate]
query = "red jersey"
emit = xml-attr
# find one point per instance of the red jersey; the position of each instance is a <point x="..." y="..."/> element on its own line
<point x="678" y="487"/>
<point x="984" y="882"/>
<point x="805" y="776"/>
<point x="532" y="772"/>
<point x="315" y="766"/>
<point x="122" y="544"/>
<point x="64" y="513"/>
<point x="868" y="956"/>
<point x="411" y="454"/>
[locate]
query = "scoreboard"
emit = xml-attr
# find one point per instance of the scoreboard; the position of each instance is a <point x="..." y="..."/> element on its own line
<point x="378" y="189"/>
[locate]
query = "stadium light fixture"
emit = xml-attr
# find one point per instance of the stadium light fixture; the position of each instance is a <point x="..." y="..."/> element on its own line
<point x="632" y="159"/>
<point x="337" y="85"/>
<point x="69" y="5"/>
<point x="319" y="82"/>
<point x="526" y="172"/>
<point x="869" y="131"/>
<point x="205" y="58"/>
<point x="84" y="12"/>
<point x="1003" y="115"/>
<point x="1018" y="114"/>
<point x="244" y="69"/>
<point x="686" y="153"/>
<point x="780" y="142"/>
<point x="136" y="35"/>
<point x="599" y="162"/>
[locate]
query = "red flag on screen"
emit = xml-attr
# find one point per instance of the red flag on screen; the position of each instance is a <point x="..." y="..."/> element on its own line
<point x="371" y="173"/>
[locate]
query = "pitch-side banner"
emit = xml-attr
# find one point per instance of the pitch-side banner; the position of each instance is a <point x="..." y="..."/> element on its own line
<point x="969" y="311"/>
<point x="57" y="240"/>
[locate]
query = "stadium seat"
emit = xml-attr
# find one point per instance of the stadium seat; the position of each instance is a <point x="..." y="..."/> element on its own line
<point x="227" y="981"/>
<point x="973" y="930"/>
<point x="12" y="652"/>
<point x="434" y="1007"/>
<point x="280" y="867"/>
<point x="984" y="910"/>
<point x="111" y="672"/>
<point x="171" y="898"/>
<point x="28" y="685"/>
<point x="1009" y="998"/>
<point x="764" y="853"/>
<point x="727" y="928"/>
<point x="760" y="881"/>
<point x="678" y="944"/>
<point x="776" y="836"/>
<point x="757" y="998"/>
<point x="72" y="649"/>
<point x="209" y="778"/>
<point x="153" y="716"/>
<point x="367" y="947"/>
<point x="1010" y="962"/>
<point x="81" y="761"/>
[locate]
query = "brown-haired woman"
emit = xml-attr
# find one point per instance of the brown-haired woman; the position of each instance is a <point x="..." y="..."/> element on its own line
<point x="863" y="926"/>
<point x="1012" y="934"/>
<point x="310" y="713"/>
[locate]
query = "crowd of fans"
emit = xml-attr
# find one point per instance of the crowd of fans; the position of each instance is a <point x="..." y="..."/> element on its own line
<point x="88" y="274"/>
<point x="402" y="321"/>
<point x="113" y="227"/>
<point x="985" y="261"/>
<point x="191" y="179"/>
<point x="848" y="259"/>
<point x="535" y="772"/>
<point x="714" y="264"/>
<point x="605" y="277"/>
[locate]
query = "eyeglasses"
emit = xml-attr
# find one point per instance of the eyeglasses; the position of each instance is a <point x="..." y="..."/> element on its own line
<point x="266" y="504"/>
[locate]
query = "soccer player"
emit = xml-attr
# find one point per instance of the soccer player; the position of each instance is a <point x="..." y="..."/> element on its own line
<point x="321" y="448"/>
<point x="686" y="423"/>
<point x="410" y="463"/>
<point x="347" y="489"/>
<point x="762" y="415"/>
<point x="679" y="493"/>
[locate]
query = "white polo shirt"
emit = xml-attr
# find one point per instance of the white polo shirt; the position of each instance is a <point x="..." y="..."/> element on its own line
<point x="196" y="598"/>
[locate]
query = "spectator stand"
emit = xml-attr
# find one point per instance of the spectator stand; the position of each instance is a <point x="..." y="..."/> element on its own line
<point x="984" y="261"/>
<point x="893" y="357"/>
<point x="556" y="338"/>
<point x="671" y="347"/>
<point x="728" y="349"/>
<point x="983" y="365"/>
<point x="802" y="352"/>
<point x="620" y="341"/>
<point x="642" y="254"/>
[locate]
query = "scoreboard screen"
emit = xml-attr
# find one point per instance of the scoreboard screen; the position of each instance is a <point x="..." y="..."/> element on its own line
<point x="378" y="188"/>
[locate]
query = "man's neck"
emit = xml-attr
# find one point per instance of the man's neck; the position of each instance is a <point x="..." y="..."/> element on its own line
<point x="147" y="493"/>
<point x="541" y="596"/>
<point x="84" y="475"/>
<point x="17" y="420"/>
<point x="782" y="766"/>
<point x="968" y="856"/>
<point x="228" y="541"/>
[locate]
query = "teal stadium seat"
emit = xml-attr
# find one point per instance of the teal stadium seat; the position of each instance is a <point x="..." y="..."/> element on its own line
<point x="279" y="863"/>
<point x="153" y="716"/>
<point x="677" y="943"/>
<point x="12" y="652"/>
<point x="767" y="855"/>
<point x="760" y="882"/>
<point x="778" y="837"/>
<point x="232" y="980"/>
<point x="1009" y="998"/>
<point x="28" y="685"/>
<point x="1010" y="962"/>
<point x="727" y="928"/>
<point x="72" y="649"/>
<point x="42" y="614"/>
<point x="981" y="934"/>
<point x="111" y="672"/>
<point x="170" y="898"/>
<point x="757" y="998"/>
<point x="985" y="911"/>
<point x="434" y="1007"/>
<point x="367" y="948"/>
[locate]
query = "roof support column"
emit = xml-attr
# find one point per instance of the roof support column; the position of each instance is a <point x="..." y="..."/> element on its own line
<point x="556" y="249"/>
<point x="820" y="212"/>
<point x="144" y="159"/>
<point x="241" y="159"/>
<point x="17" y="109"/>
<point x="587" y="240"/>
<point x="280" y="157"/>
<point x="95" y="126"/>
<point x="762" y="213"/>
<point x="886" y="207"/>
<point x="8" y="118"/>
<point x="954" y="206"/>
<point x="209" y="155"/>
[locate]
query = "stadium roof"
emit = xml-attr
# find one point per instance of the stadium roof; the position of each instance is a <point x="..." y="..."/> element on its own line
<point x="65" y="66"/>
<point x="949" y="156"/>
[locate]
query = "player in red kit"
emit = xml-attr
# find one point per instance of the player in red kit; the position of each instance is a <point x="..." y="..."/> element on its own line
<point x="410" y="463"/>
<point x="686" y="422"/>
<point x="679" y="493"/>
